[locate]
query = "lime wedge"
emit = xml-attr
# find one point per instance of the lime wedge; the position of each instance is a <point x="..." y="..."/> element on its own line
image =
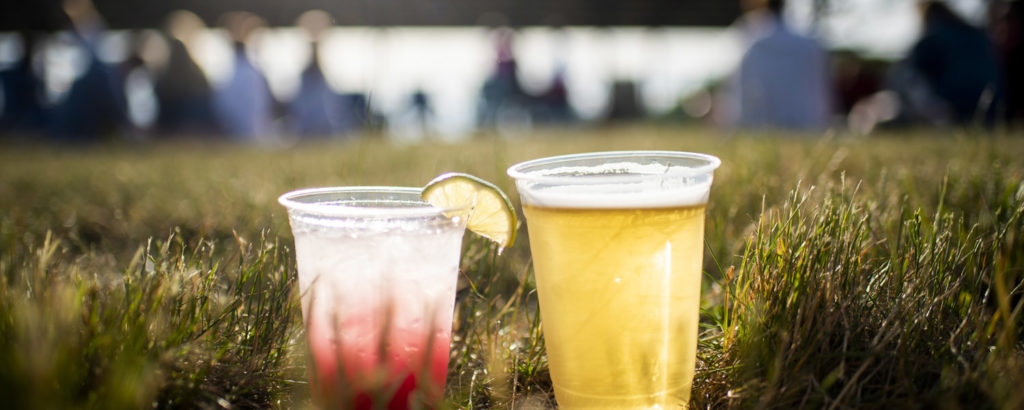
<point x="490" y="215"/>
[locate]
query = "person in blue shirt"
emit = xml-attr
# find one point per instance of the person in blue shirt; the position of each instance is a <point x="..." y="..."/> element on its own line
<point x="244" y="105"/>
<point x="782" y="81"/>
<point x="21" y="91"/>
<point x="316" y="109"/>
<point x="94" y="106"/>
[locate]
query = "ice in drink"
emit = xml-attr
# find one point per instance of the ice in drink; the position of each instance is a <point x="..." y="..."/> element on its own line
<point x="617" y="258"/>
<point x="377" y="283"/>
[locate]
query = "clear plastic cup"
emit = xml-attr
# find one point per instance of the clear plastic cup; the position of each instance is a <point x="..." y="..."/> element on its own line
<point x="377" y="268"/>
<point x="617" y="245"/>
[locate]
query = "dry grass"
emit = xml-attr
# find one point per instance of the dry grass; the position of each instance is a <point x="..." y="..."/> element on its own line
<point x="840" y="272"/>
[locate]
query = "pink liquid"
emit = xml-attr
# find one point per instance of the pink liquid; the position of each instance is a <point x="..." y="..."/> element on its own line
<point x="378" y="299"/>
<point x="354" y="372"/>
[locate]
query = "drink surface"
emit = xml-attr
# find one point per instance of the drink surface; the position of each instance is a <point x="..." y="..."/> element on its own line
<point x="377" y="299"/>
<point x="619" y="294"/>
<point x="616" y="185"/>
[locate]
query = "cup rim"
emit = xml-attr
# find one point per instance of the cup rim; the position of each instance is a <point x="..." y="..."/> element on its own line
<point x="518" y="171"/>
<point x="417" y="208"/>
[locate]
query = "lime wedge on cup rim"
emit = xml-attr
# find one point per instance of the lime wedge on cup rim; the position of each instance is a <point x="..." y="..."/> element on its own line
<point x="491" y="214"/>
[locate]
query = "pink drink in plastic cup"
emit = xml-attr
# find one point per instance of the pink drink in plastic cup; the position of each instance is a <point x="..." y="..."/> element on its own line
<point x="377" y="274"/>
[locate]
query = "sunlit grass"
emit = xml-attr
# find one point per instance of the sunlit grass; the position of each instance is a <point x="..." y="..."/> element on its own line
<point x="877" y="272"/>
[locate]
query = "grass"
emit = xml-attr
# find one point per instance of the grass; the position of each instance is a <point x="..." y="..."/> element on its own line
<point x="840" y="272"/>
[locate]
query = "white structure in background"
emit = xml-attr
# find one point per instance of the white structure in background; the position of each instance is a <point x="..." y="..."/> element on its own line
<point x="451" y="64"/>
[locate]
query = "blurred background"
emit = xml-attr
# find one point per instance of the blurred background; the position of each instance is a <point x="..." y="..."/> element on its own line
<point x="273" y="72"/>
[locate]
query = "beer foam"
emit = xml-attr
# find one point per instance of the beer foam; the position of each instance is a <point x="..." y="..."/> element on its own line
<point x="620" y="169"/>
<point x="616" y="185"/>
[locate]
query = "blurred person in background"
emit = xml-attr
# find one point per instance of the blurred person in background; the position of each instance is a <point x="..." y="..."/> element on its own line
<point x="1008" y="31"/>
<point x="423" y="111"/>
<point x="316" y="109"/>
<point x="782" y="81"/>
<point x="182" y="90"/>
<point x="552" y="105"/>
<point x="94" y="104"/>
<point x="855" y="78"/>
<point x="243" y="105"/>
<point x="951" y="74"/>
<point x="21" y="90"/>
<point x="503" y="103"/>
<point x="624" y="102"/>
